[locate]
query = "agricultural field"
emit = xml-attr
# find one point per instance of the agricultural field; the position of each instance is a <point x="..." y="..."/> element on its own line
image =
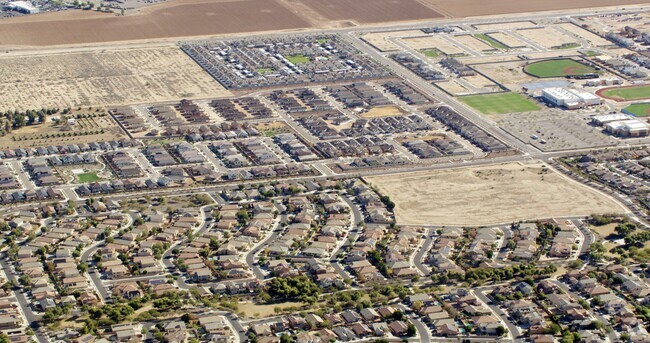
<point x="173" y="19"/>
<point x="628" y="93"/>
<point x="489" y="195"/>
<point x="118" y="77"/>
<point x="467" y="8"/>
<point x="372" y="11"/>
<point x="558" y="68"/>
<point x="500" y="103"/>
<point x="639" y="110"/>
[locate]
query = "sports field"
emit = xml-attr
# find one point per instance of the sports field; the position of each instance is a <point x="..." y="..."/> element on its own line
<point x="558" y="68"/>
<point x="500" y="103"/>
<point x="639" y="110"/>
<point x="639" y="92"/>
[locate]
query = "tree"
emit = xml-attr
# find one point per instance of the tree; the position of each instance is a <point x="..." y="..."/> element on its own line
<point x="501" y="331"/>
<point x="411" y="330"/>
<point x="285" y="338"/>
<point x="625" y="229"/>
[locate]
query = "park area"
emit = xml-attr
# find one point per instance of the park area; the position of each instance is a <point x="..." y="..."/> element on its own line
<point x="558" y="68"/>
<point x="629" y="93"/>
<point x="500" y="103"/>
<point x="488" y="195"/>
<point x="639" y="110"/>
<point x="88" y="177"/>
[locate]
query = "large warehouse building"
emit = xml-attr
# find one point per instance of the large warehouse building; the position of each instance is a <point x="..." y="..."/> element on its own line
<point x="22" y="6"/>
<point x="622" y="125"/>
<point x="569" y="98"/>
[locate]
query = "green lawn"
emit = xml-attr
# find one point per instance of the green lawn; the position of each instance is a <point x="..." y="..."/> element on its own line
<point x="88" y="177"/>
<point x="493" y="42"/>
<point x="627" y="93"/>
<point x="264" y="71"/>
<point x="433" y="53"/>
<point x="500" y="103"/>
<point x="639" y="110"/>
<point x="297" y="59"/>
<point x="558" y="68"/>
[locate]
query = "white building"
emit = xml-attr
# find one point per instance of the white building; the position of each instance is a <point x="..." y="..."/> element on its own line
<point x="628" y="128"/>
<point x="23" y="6"/>
<point x="608" y="118"/>
<point x="569" y="98"/>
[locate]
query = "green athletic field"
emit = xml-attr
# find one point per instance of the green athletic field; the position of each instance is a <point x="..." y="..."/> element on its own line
<point x="88" y="177"/>
<point x="639" y="110"/>
<point x="558" y="68"/>
<point x="500" y="103"/>
<point x="626" y="93"/>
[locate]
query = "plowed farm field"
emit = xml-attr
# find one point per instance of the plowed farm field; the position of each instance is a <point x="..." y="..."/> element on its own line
<point x="175" y="19"/>
<point x="372" y="11"/>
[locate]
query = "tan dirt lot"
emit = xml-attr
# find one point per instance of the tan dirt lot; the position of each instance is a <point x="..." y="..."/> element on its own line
<point x="548" y="37"/>
<point x="453" y="87"/>
<point x="430" y="42"/>
<point x="507" y="39"/>
<point x="505" y="26"/>
<point x="473" y="43"/>
<point x="103" y="78"/>
<point x="489" y="195"/>
<point x="595" y="40"/>
<point x="381" y="40"/>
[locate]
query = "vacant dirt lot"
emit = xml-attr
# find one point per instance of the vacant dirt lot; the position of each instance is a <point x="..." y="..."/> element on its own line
<point x="372" y="11"/>
<point x="174" y="19"/>
<point x="489" y="195"/>
<point x="430" y="42"/>
<point x="102" y="78"/>
<point x="468" y="8"/>
<point x="548" y="37"/>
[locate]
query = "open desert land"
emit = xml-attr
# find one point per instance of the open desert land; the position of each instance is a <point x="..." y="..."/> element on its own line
<point x="512" y="25"/>
<point x="372" y="11"/>
<point x="474" y="43"/>
<point x="489" y="195"/>
<point x="382" y="40"/>
<point x="594" y="39"/>
<point x="470" y="8"/>
<point x="430" y="42"/>
<point x="548" y="37"/>
<point x="507" y="40"/>
<point x="106" y="78"/>
<point x="168" y="20"/>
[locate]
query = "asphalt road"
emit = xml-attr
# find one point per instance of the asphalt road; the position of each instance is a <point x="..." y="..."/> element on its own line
<point x="513" y="329"/>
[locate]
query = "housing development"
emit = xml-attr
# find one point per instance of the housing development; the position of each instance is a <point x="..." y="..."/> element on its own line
<point x="324" y="171"/>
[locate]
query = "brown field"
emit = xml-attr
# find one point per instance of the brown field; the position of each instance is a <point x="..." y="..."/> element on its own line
<point x="385" y="111"/>
<point x="103" y="78"/>
<point x="175" y="19"/>
<point x="489" y="195"/>
<point x="548" y="37"/>
<point x="86" y="130"/>
<point x="469" y="8"/>
<point x="372" y="11"/>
